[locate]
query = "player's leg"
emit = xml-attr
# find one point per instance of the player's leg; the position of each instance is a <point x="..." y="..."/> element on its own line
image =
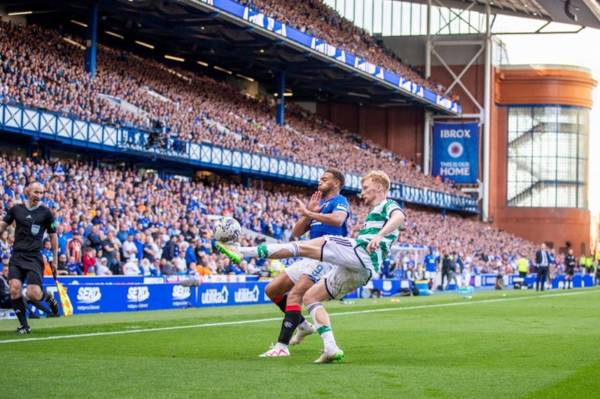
<point x="290" y="303"/>
<point x="304" y="328"/>
<point x="313" y="299"/>
<point x="277" y="290"/>
<point x="35" y="283"/>
<point x="305" y="249"/>
<point x="15" y="281"/>
<point x="293" y="314"/>
<point x="353" y="270"/>
<point x="36" y="294"/>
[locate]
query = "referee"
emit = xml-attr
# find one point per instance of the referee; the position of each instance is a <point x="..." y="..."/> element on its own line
<point x="26" y="264"/>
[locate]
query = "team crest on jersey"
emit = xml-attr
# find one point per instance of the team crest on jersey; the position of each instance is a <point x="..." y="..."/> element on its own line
<point x="35" y="229"/>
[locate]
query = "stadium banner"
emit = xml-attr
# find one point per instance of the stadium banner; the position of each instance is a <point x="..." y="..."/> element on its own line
<point x="456" y="151"/>
<point x="99" y="280"/>
<point x="101" y="298"/>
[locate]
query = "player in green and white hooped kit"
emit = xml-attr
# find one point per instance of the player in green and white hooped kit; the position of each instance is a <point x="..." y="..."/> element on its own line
<point x="357" y="259"/>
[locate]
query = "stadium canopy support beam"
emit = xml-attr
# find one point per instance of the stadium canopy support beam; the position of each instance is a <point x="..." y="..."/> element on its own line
<point x="91" y="40"/>
<point x="486" y="123"/>
<point x="280" y="117"/>
<point x="428" y="114"/>
<point x="437" y="40"/>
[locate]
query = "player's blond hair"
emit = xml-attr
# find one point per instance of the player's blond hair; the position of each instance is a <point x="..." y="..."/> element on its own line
<point x="378" y="176"/>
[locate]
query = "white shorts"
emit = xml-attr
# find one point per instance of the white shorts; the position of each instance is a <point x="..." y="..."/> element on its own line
<point x="314" y="269"/>
<point x="354" y="266"/>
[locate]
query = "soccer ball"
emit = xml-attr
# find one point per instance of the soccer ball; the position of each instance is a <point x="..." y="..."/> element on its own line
<point x="227" y="229"/>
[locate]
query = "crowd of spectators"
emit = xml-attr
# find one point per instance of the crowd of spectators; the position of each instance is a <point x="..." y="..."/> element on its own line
<point x="40" y="69"/>
<point x="113" y="220"/>
<point x="316" y="18"/>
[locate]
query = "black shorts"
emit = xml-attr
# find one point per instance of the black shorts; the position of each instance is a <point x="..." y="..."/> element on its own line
<point x="570" y="272"/>
<point x="26" y="267"/>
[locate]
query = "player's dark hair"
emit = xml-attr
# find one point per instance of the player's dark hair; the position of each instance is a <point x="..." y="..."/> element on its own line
<point x="338" y="175"/>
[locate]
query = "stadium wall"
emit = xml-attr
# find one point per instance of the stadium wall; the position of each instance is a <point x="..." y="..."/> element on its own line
<point x="536" y="85"/>
<point x="399" y="129"/>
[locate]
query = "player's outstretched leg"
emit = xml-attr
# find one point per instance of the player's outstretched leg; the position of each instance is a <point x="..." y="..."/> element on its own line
<point x="312" y="300"/>
<point x="305" y="249"/>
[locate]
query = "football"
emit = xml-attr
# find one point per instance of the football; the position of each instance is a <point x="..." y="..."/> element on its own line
<point x="227" y="229"/>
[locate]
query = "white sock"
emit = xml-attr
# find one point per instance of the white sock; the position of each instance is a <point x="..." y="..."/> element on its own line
<point x="324" y="331"/>
<point x="265" y="251"/>
<point x="248" y="252"/>
<point x="328" y="340"/>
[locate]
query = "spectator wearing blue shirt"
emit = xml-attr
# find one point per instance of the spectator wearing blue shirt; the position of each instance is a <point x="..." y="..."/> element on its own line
<point x="431" y="262"/>
<point x="62" y="239"/>
<point x="138" y="241"/>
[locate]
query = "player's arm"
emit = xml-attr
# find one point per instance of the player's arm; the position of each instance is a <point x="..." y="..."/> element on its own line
<point x="333" y="219"/>
<point x="336" y="218"/>
<point x="303" y="224"/>
<point x="301" y="227"/>
<point x="396" y="219"/>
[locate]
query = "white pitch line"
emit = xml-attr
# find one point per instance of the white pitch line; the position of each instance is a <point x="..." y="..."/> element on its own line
<point x="242" y="322"/>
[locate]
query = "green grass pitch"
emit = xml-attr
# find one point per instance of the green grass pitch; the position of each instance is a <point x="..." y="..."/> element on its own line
<point x="509" y="344"/>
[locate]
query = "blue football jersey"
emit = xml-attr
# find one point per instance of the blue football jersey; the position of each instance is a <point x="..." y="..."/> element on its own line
<point x="335" y="204"/>
<point x="430" y="263"/>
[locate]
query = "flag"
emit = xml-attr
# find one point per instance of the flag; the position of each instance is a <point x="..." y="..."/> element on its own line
<point x="64" y="299"/>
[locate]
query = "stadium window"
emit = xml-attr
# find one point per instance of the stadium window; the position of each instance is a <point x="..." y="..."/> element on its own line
<point x="349" y="11"/>
<point x="359" y="7"/>
<point x="339" y="6"/>
<point x="398" y="23"/>
<point x="368" y="15"/>
<point x="387" y="18"/>
<point x="454" y="27"/>
<point x="378" y="16"/>
<point x="546" y="164"/>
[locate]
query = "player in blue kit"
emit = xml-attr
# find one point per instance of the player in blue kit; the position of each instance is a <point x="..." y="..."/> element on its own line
<point x="326" y="214"/>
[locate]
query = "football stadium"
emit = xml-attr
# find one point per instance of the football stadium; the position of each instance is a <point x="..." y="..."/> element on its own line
<point x="309" y="198"/>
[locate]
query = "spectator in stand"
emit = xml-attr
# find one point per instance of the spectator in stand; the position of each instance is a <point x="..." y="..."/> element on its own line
<point x="89" y="261"/>
<point x="128" y="202"/>
<point x="129" y="248"/>
<point x="39" y="69"/>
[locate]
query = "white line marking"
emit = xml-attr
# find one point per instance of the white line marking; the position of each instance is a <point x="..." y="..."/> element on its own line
<point x="242" y="322"/>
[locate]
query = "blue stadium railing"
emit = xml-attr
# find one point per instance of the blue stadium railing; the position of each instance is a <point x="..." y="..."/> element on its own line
<point x="15" y="118"/>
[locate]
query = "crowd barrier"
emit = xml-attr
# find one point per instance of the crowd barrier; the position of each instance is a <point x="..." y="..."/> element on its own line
<point x="137" y="293"/>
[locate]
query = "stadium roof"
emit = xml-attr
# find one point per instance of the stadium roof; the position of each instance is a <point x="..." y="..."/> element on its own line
<point x="578" y="12"/>
<point x="224" y="44"/>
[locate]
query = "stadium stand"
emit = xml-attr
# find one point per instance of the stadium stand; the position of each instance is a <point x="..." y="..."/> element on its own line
<point x="40" y="69"/>
<point x="108" y="215"/>
<point x="316" y="18"/>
